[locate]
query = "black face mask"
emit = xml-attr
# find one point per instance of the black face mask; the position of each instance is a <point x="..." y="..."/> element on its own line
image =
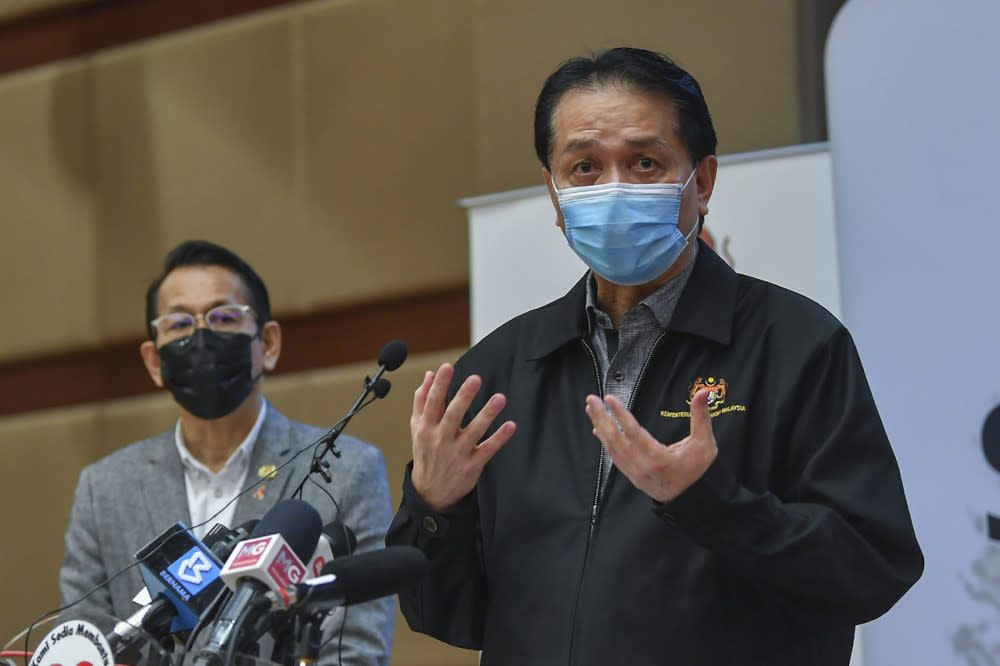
<point x="209" y="373"/>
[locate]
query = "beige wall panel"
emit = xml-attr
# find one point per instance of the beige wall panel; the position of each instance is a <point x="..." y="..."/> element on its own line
<point x="389" y="98"/>
<point x="742" y="53"/>
<point x="47" y="235"/>
<point x="194" y="137"/>
<point x="43" y="454"/>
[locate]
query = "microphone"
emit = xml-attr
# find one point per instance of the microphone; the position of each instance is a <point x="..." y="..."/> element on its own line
<point x="221" y="540"/>
<point x="297" y="639"/>
<point x="336" y="540"/>
<point x="272" y="558"/>
<point x="392" y="355"/>
<point x="380" y="387"/>
<point x="355" y="579"/>
<point x="173" y="610"/>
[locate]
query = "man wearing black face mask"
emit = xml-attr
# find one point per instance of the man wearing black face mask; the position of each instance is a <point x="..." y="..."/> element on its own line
<point x="211" y="340"/>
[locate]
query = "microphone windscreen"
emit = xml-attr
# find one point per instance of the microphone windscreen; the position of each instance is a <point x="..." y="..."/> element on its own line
<point x="392" y="355"/>
<point x="297" y="522"/>
<point x="247" y="527"/>
<point x="377" y="573"/>
<point x="381" y="387"/>
<point x="341" y="537"/>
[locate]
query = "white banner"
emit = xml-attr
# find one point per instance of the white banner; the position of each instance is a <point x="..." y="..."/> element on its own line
<point x="913" y="111"/>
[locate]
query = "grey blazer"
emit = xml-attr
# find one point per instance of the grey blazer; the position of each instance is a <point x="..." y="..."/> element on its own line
<point x="126" y="499"/>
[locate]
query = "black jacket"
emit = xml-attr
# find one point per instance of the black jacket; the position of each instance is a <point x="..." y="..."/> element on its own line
<point x="798" y="531"/>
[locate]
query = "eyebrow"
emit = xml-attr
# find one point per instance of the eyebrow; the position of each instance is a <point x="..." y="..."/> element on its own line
<point x="180" y="307"/>
<point x="641" y="142"/>
<point x="645" y="142"/>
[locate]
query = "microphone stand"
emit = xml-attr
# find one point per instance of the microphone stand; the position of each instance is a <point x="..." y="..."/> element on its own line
<point x="372" y="384"/>
<point x="391" y="357"/>
<point x="308" y="642"/>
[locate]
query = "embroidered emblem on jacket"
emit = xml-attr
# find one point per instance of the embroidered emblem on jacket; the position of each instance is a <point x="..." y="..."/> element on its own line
<point x="716" y="391"/>
<point x="718" y="388"/>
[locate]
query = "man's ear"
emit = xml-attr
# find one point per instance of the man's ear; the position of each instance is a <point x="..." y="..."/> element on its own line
<point x="547" y="175"/>
<point x="152" y="361"/>
<point x="707" y="169"/>
<point x="270" y="337"/>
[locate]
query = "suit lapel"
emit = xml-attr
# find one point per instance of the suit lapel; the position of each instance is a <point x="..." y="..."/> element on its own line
<point x="271" y="450"/>
<point x="163" y="491"/>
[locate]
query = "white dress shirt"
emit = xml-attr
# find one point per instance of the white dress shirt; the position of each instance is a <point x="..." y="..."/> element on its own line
<point x="210" y="496"/>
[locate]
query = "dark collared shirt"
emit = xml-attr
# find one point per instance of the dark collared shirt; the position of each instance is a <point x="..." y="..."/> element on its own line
<point x="622" y="353"/>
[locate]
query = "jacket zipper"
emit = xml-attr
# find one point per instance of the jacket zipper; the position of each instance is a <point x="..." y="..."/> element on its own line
<point x="600" y="473"/>
<point x="642" y="370"/>
<point x="593" y="508"/>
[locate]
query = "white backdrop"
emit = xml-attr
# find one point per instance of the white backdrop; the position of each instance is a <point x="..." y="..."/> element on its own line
<point x="914" y="107"/>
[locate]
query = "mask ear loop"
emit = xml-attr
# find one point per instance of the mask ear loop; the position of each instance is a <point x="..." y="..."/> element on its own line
<point x="687" y="238"/>
<point x="690" y="176"/>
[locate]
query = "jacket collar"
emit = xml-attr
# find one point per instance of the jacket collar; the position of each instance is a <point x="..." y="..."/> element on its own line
<point x="706" y="308"/>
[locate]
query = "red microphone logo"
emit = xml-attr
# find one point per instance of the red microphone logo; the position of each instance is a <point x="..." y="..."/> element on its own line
<point x="250" y="553"/>
<point x="286" y="569"/>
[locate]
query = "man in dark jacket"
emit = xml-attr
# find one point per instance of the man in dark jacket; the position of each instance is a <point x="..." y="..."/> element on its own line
<point x="733" y="498"/>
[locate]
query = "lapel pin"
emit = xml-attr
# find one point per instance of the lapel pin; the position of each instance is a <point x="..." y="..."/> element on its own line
<point x="267" y="472"/>
<point x="259" y="493"/>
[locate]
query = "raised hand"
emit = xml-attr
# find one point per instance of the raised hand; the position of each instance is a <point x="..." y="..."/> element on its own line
<point x="662" y="472"/>
<point x="447" y="458"/>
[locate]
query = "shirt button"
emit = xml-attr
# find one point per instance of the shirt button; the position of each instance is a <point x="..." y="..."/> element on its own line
<point x="430" y="524"/>
<point x="619" y="376"/>
<point x="218" y="493"/>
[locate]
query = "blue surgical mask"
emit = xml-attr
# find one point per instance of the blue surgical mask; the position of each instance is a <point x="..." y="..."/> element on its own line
<point x="626" y="233"/>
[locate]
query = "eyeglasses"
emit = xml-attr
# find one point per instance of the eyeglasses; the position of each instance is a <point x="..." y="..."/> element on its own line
<point x="222" y="318"/>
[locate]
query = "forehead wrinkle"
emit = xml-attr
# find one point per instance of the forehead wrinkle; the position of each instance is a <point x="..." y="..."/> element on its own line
<point x="579" y="144"/>
<point x="620" y="86"/>
<point x="646" y="141"/>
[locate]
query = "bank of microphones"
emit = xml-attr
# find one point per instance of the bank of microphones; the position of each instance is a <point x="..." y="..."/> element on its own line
<point x="281" y="580"/>
<point x="210" y="600"/>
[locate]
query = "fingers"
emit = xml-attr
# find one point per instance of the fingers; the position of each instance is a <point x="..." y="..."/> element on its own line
<point x="489" y="447"/>
<point x="701" y="420"/>
<point x="420" y="395"/>
<point x="437" y="392"/>
<point x="480" y="424"/>
<point x="455" y="412"/>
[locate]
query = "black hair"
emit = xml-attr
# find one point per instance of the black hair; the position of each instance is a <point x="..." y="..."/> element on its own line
<point x="204" y="253"/>
<point x="646" y="70"/>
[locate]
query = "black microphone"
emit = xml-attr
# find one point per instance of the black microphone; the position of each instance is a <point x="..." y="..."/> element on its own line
<point x="342" y="539"/>
<point x="380" y="387"/>
<point x="221" y="540"/>
<point x="392" y="355"/>
<point x="284" y="538"/>
<point x="356" y="579"/>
